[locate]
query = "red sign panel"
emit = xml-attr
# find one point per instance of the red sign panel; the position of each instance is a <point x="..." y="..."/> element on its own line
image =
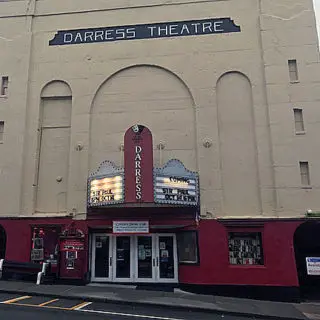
<point x="138" y="165"/>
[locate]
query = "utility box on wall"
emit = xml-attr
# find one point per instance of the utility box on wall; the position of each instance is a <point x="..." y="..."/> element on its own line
<point x="72" y="255"/>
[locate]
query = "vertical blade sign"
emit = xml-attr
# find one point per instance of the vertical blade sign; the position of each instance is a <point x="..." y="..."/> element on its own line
<point x="138" y="165"/>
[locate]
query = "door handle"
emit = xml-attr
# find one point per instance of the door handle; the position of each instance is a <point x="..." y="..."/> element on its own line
<point x="157" y="261"/>
<point x="110" y="261"/>
<point x="153" y="262"/>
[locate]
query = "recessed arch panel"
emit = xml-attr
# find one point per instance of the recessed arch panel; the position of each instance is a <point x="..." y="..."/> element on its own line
<point x="145" y="94"/>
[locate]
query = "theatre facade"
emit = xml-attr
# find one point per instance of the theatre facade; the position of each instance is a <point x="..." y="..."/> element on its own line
<point x="171" y="144"/>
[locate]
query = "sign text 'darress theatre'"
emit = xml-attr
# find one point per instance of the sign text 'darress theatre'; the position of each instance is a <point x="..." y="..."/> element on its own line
<point x="138" y="164"/>
<point x="145" y="31"/>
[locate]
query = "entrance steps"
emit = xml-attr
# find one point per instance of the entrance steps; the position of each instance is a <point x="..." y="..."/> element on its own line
<point x="111" y="285"/>
<point x="141" y="286"/>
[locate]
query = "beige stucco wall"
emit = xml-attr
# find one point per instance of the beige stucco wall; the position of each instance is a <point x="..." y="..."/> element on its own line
<point x="187" y="90"/>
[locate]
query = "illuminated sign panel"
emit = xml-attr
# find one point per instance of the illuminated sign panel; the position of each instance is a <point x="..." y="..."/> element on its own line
<point x="175" y="189"/>
<point x="106" y="186"/>
<point x="174" y="184"/>
<point x="106" y="190"/>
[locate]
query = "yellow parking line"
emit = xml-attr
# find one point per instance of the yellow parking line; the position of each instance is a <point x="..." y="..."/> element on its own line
<point x="78" y="305"/>
<point x="45" y="303"/>
<point x="37" y="306"/>
<point x="16" y="299"/>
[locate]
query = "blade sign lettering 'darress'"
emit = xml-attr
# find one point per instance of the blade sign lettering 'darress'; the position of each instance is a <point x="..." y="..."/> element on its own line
<point x="138" y="165"/>
<point x="145" y="31"/>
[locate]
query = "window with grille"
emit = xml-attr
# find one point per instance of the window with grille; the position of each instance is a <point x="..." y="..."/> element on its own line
<point x="245" y="248"/>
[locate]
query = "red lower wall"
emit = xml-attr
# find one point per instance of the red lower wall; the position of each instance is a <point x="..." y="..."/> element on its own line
<point x="18" y="232"/>
<point x="214" y="268"/>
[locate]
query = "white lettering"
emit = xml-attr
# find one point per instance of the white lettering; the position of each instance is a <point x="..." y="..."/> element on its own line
<point x="78" y="36"/>
<point x="205" y="26"/>
<point x="138" y="164"/>
<point x="217" y="25"/>
<point x="172" y="29"/>
<point x="165" y="30"/>
<point x="138" y="175"/>
<point x="88" y="35"/>
<point x="108" y="34"/>
<point x="138" y="183"/>
<point x="151" y="30"/>
<point x="196" y="25"/>
<point x="98" y="35"/>
<point x="184" y="28"/>
<point x="120" y="34"/>
<point x="131" y="33"/>
<point x="67" y="37"/>
<point x="137" y="157"/>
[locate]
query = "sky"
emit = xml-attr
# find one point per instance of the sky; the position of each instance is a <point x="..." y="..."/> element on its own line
<point x="317" y="9"/>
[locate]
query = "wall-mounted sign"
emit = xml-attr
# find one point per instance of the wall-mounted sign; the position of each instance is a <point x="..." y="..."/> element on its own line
<point x="130" y="227"/>
<point x="145" y="31"/>
<point x="106" y="185"/>
<point x="174" y="184"/>
<point x="72" y="244"/>
<point x="313" y="266"/>
<point x="138" y="164"/>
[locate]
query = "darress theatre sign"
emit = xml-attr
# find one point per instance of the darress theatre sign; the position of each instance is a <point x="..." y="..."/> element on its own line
<point x="145" y="31"/>
<point x="139" y="182"/>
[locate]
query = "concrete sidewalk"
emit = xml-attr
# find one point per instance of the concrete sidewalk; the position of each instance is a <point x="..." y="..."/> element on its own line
<point x="178" y="299"/>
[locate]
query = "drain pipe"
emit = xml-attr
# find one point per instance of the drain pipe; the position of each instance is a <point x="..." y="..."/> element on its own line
<point x="42" y="273"/>
<point x="1" y="267"/>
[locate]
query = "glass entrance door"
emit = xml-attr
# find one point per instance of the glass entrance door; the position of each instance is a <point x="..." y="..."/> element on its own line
<point x="145" y="265"/>
<point x="156" y="258"/>
<point x="101" y="258"/>
<point x="122" y="256"/>
<point x="166" y="260"/>
<point x="134" y="258"/>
